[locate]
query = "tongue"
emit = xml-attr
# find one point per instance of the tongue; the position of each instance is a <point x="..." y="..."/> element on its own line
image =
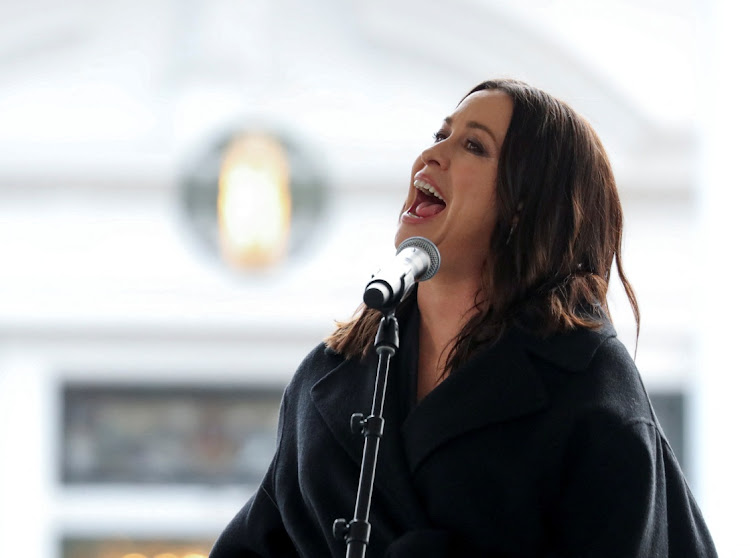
<point x="428" y="209"/>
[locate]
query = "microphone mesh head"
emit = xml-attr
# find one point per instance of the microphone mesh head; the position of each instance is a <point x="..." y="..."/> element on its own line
<point x="429" y="247"/>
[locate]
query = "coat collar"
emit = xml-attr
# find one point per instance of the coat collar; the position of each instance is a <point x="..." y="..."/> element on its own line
<point x="349" y="388"/>
<point x="499" y="384"/>
<point x="572" y="350"/>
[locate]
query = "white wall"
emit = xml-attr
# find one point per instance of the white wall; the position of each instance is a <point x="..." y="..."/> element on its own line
<point x="103" y="104"/>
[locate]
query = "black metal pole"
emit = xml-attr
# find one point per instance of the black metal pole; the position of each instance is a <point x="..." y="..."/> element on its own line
<point x="356" y="532"/>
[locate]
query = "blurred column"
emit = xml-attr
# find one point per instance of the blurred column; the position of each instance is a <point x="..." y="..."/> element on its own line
<point x="26" y="459"/>
<point x="723" y="398"/>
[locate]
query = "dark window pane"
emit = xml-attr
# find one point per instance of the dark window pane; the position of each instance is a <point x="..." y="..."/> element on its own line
<point x="167" y="434"/>
<point x="670" y="410"/>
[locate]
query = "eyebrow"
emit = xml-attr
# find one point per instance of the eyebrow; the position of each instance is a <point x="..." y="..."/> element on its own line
<point x="473" y="124"/>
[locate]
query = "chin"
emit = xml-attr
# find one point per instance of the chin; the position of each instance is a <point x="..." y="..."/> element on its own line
<point x="401" y="235"/>
<point x="406" y="230"/>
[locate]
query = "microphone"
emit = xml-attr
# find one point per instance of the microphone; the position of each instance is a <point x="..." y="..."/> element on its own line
<point x="417" y="259"/>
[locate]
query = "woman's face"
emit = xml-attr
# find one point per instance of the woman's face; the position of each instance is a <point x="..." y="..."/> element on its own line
<point x="452" y="197"/>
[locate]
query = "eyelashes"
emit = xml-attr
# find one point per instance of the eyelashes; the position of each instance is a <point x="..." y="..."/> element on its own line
<point x="470" y="144"/>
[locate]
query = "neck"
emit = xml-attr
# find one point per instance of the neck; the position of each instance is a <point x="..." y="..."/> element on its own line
<point x="445" y="306"/>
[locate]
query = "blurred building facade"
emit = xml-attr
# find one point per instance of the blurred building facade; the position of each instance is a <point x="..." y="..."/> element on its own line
<point x="138" y="374"/>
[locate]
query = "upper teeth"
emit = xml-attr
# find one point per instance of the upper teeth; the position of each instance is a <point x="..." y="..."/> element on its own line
<point x="425" y="187"/>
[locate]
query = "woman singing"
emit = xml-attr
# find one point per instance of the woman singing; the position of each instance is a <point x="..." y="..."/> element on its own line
<point x="517" y="424"/>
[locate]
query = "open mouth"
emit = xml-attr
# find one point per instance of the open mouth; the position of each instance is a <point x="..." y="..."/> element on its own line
<point x="428" y="202"/>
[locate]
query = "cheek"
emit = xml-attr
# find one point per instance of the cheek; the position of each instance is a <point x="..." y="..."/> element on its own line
<point x="484" y="192"/>
<point x="487" y="216"/>
<point x="485" y="211"/>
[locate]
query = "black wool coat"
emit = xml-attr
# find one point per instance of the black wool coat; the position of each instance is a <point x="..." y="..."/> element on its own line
<point x="535" y="448"/>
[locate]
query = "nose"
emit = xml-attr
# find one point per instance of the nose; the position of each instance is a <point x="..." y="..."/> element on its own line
<point x="436" y="155"/>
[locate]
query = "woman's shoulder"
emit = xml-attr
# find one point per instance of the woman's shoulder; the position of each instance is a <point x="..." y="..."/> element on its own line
<point x="590" y="372"/>
<point x="614" y="386"/>
<point x="572" y="350"/>
<point x="317" y="364"/>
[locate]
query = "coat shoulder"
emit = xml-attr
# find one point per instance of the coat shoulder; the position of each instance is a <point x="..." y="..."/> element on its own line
<point x="316" y="364"/>
<point x="616" y="383"/>
<point x="591" y="374"/>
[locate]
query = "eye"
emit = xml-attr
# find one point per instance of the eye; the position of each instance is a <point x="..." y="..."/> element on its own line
<point x="475" y="147"/>
<point x="439" y="136"/>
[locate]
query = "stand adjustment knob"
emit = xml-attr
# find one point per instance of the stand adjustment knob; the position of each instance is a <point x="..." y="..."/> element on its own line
<point x="357" y="423"/>
<point x="340" y="529"/>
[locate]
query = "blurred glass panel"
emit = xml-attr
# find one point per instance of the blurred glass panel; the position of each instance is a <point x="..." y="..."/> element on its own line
<point x="167" y="434"/>
<point x="120" y="548"/>
<point x="669" y="407"/>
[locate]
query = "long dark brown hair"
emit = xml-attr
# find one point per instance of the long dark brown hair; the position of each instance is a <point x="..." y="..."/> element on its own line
<point x="558" y="231"/>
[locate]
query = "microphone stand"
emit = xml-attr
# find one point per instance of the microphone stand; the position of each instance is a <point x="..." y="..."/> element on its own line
<point x="356" y="532"/>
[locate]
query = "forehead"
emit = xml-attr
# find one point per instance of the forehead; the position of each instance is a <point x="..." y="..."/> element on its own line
<point x="492" y="108"/>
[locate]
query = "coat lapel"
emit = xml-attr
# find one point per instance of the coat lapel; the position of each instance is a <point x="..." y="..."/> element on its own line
<point x="499" y="384"/>
<point x="345" y="390"/>
<point x="348" y="389"/>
